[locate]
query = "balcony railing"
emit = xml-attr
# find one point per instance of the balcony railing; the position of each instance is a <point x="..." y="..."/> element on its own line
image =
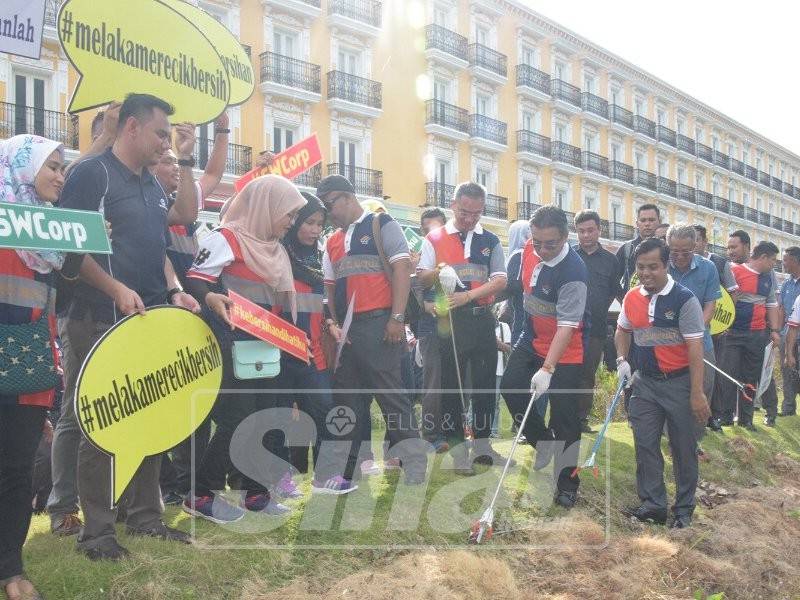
<point x="533" y="78"/>
<point x="621" y="115"/>
<point x="565" y="153"/>
<point x="797" y="192"/>
<point x="704" y="199"/>
<point x="685" y="192"/>
<point x="446" y="115"/>
<point x="594" y="104"/>
<point x="644" y="125"/>
<point x="776" y="222"/>
<point x="51" y="12"/>
<point x="310" y="178"/>
<point x="667" y="186"/>
<point x="528" y="141"/>
<point x="595" y="163"/>
<point x="645" y="179"/>
<point x="439" y="194"/>
<point x="605" y="231"/>
<point x="763" y="218"/>
<point x="525" y="209"/>
<point x="721" y="159"/>
<point x="788" y="227"/>
<point x="666" y="135"/>
<point x="763" y="178"/>
<point x="16" y="119"/>
<point x="704" y="152"/>
<point x="365" y="11"/>
<point x="621" y="231"/>
<point x="737" y="210"/>
<point x="570" y="220"/>
<point x="737" y="166"/>
<point x="354" y="89"/>
<point x="440" y="38"/>
<point x="619" y="170"/>
<point x="751" y="214"/>
<point x="238" y="161"/>
<point x="290" y="72"/>
<point x="722" y="204"/>
<point x="751" y="172"/>
<point x="797" y="228"/>
<point x="496" y="206"/>
<point x="481" y="126"/>
<point x="367" y="182"/>
<point x="492" y="60"/>
<point x="788" y="189"/>
<point x="685" y="143"/>
<point x="775" y="183"/>
<point x="561" y="90"/>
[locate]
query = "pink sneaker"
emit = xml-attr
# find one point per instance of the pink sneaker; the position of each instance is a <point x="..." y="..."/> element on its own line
<point x="368" y="467"/>
<point x="287" y="488"/>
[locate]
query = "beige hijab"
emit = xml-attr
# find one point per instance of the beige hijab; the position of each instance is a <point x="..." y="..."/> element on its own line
<point x="252" y="216"/>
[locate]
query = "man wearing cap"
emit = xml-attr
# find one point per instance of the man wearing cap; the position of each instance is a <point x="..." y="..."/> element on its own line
<point x="477" y="257"/>
<point x="375" y="277"/>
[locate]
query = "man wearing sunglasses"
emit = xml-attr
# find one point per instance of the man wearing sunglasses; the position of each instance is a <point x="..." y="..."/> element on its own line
<point x="551" y="348"/>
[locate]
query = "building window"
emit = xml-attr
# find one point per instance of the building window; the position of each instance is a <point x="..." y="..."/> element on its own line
<point x="442" y="174"/>
<point x="662" y="168"/>
<point x="528" y="120"/>
<point x="482" y="103"/>
<point x="638" y="106"/>
<point x="350" y="61"/>
<point x="731" y="194"/>
<point x="348" y="156"/>
<point x="441" y="16"/>
<point x="481" y="35"/>
<point x="285" y="43"/>
<point x="681" y="174"/>
<point x="616" y="95"/>
<point x="616" y="212"/>
<point x="283" y="137"/>
<point x="30" y="91"/>
<point x="589" y="142"/>
<point x="529" y="192"/>
<point x="616" y="151"/>
<point x="588" y="83"/>
<point x="560" y="199"/>
<point x="661" y="117"/>
<point x="590" y="202"/>
<point x="441" y="89"/>
<point x="681" y="125"/>
<point x="638" y="159"/>
<point x="528" y="56"/>
<point x="698" y="134"/>
<point x="746" y="199"/>
<point x="560" y="132"/>
<point x="559" y="70"/>
<point x="482" y="177"/>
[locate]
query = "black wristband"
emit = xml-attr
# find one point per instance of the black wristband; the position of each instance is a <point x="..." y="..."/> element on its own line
<point x="171" y="293"/>
<point x="217" y="131"/>
<point x="186" y="162"/>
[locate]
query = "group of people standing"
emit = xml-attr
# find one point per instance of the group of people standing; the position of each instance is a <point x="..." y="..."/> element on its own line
<point x="363" y="283"/>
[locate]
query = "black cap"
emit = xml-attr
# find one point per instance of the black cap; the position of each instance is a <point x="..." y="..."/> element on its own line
<point x="334" y="183"/>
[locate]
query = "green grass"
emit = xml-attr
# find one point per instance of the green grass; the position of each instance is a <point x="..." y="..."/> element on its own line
<point x="164" y="570"/>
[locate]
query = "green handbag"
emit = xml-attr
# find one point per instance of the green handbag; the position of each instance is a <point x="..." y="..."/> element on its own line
<point x="254" y="359"/>
<point x="26" y="356"/>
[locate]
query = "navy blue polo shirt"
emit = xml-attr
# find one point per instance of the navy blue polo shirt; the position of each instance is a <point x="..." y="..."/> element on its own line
<point x="136" y="207"/>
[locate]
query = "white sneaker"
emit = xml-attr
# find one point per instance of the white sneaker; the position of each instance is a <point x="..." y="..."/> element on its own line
<point x="369" y="467"/>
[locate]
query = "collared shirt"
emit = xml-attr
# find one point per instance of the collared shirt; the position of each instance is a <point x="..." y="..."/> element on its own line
<point x="427" y="259"/>
<point x="702" y="279"/>
<point x="756" y="294"/>
<point x="603" y="286"/>
<point x="661" y="323"/>
<point x="136" y="206"/>
<point x="789" y="292"/>
<point x="625" y="264"/>
<point x="723" y="266"/>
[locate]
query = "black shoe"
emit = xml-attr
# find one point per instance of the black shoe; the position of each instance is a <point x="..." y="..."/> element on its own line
<point x="681" y="522"/>
<point x="726" y="422"/>
<point x="748" y="426"/>
<point x="585" y="427"/>
<point x="172" y="499"/>
<point x="646" y="515"/>
<point x="715" y="424"/>
<point x="163" y="532"/>
<point x="769" y="421"/>
<point x="111" y="550"/>
<point x="491" y="457"/>
<point x="566" y="499"/>
<point x="464" y="471"/>
<point x="785" y="414"/>
<point x="545" y="449"/>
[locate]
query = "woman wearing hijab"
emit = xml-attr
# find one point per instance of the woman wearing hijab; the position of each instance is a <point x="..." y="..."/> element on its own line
<point x="518" y="234"/>
<point x="244" y="255"/>
<point x="31" y="173"/>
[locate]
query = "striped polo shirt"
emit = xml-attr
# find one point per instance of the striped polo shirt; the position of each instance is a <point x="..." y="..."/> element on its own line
<point x="756" y="293"/>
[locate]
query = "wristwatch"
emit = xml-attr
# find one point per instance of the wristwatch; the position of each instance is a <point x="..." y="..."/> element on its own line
<point x="399" y="317"/>
<point x="186" y="162"/>
<point x="171" y="293"/>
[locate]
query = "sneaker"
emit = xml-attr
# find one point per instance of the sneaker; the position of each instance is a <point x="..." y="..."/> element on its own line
<point x="494" y="435"/>
<point x="769" y="421"/>
<point x="392" y="464"/>
<point x="172" y="499"/>
<point x="566" y="499"/>
<point x="68" y="525"/>
<point x="287" y="488"/>
<point x="212" y="508"/>
<point x="163" y="532"/>
<point x="336" y="485"/>
<point x="263" y="503"/>
<point x="646" y="515"/>
<point x="490" y="456"/>
<point x="441" y="447"/>
<point x="681" y="522"/>
<point x="368" y="468"/>
<point x="110" y="550"/>
<point x="715" y="424"/>
<point x="585" y="427"/>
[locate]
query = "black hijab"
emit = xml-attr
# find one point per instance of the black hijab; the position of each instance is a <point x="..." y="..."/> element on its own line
<point x="306" y="260"/>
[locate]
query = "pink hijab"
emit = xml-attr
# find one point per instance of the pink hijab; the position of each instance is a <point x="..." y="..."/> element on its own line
<point x="252" y="216"/>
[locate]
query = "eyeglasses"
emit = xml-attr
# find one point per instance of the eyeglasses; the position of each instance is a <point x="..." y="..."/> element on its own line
<point x="330" y="201"/>
<point x="550" y="245"/>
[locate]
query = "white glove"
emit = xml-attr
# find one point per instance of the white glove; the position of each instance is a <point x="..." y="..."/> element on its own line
<point x="449" y="279"/>
<point x="540" y="382"/>
<point x="624" y="370"/>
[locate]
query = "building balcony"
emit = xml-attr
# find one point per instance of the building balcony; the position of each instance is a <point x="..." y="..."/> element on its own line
<point x="775" y="183"/>
<point x="353" y="94"/>
<point x="722" y="204"/>
<point x="737" y="210"/>
<point x="496" y="206"/>
<point x="667" y="186"/>
<point x="605" y="231"/>
<point x="788" y="189"/>
<point x="446" y="120"/>
<point x="367" y="182"/>
<point x="644" y="127"/>
<point x="621" y="231"/>
<point x="310" y="178"/>
<point x="621" y="118"/>
<point x="751" y="214"/>
<point x="665" y="135"/>
<point x="290" y="78"/>
<point x="764" y="218"/>
<point x="751" y="173"/>
<point x="570" y="220"/>
<point x="445" y="46"/>
<point x="359" y="17"/>
<point x="797" y="192"/>
<point x="788" y="227"/>
<point x="721" y="160"/>
<point x="776" y="222"/>
<point x="16" y="119"/>
<point x="525" y="209"/>
<point x="763" y="178"/>
<point x="439" y="194"/>
<point x="620" y="171"/>
<point x="51" y="8"/>
<point x="533" y="83"/>
<point x="487" y="133"/>
<point x="685" y="192"/>
<point x="238" y="161"/>
<point x="704" y="199"/>
<point x="595" y="166"/>
<point x="533" y="147"/>
<point x="488" y="64"/>
<point x="797" y="229"/>
<point x="737" y="167"/>
<point x="566" y="157"/>
<point x="565" y="95"/>
<point x="704" y="153"/>
<point x="645" y="179"/>
<point x="300" y="8"/>
<point x="594" y="107"/>
<point x="685" y="145"/>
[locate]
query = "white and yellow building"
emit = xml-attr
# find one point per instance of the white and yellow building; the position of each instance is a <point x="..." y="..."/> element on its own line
<point x="410" y="97"/>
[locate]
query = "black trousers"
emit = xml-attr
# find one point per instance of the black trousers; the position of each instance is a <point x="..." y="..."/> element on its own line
<point x="742" y="357"/>
<point x="477" y="354"/>
<point x="564" y="416"/>
<point x="591" y="360"/>
<point x="20" y="431"/>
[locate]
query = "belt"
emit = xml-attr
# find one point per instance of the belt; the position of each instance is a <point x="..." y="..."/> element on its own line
<point x="664" y="376"/>
<point x="475" y="311"/>
<point x="369" y="314"/>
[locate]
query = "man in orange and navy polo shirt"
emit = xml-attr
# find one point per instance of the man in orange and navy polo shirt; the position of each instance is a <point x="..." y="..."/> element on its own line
<point x="354" y="273"/>
<point x="757" y="323"/>
<point x="477" y="257"/>
<point x="551" y="347"/>
<point x="666" y="323"/>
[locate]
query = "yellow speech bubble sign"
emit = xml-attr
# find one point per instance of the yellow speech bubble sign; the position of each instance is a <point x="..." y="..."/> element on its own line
<point x="143" y="46"/>
<point x="230" y="50"/>
<point x="724" y="313"/>
<point x="136" y="390"/>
